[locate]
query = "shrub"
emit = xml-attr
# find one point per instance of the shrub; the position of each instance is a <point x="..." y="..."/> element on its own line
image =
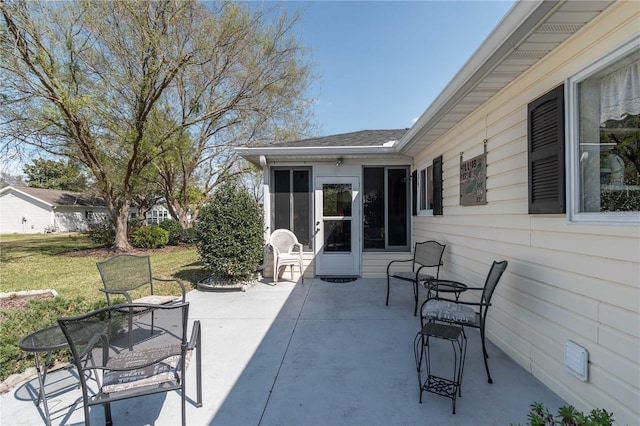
<point x="17" y="323"/>
<point x="102" y="232"/>
<point x="230" y="233"/>
<point x="568" y="416"/>
<point x="174" y="228"/>
<point x="149" y="237"/>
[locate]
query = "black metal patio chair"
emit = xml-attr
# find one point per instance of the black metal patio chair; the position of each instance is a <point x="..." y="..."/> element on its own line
<point x="117" y="358"/>
<point x="124" y="273"/>
<point x="428" y="255"/>
<point x="462" y="312"/>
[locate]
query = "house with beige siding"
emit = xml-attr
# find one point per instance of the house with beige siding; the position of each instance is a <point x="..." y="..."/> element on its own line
<point x="531" y="154"/>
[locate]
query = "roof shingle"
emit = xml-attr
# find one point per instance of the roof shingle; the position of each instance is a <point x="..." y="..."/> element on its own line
<point x="57" y="197"/>
<point x="360" y="138"/>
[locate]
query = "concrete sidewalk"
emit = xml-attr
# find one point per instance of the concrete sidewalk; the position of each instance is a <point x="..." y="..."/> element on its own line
<point x="312" y="353"/>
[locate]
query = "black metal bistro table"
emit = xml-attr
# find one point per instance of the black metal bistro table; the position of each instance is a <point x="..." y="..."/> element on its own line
<point x="446" y="286"/>
<point x="50" y="340"/>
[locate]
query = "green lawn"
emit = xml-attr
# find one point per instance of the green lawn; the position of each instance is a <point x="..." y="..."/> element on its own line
<point x="35" y="262"/>
<point x="42" y="261"/>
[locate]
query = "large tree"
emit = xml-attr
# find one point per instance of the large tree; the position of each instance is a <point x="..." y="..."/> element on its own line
<point x="249" y="88"/>
<point x="55" y="174"/>
<point x="123" y="87"/>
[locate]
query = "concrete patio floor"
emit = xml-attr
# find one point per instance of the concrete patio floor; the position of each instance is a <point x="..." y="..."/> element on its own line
<point x="312" y="353"/>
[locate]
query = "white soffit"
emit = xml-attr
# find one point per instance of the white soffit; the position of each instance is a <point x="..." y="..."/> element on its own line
<point x="529" y="31"/>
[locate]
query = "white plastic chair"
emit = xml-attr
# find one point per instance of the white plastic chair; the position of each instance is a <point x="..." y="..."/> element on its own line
<point x="286" y="251"/>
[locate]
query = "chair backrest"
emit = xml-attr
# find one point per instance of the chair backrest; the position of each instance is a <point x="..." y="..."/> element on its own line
<point x="126" y="272"/>
<point x="496" y="271"/>
<point x="283" y="240"/>
<point x="428" y="253"/>
<point x="134" y="346"/>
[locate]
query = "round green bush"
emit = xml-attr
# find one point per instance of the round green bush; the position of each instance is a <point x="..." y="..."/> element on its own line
<point x="173" y="227"/>
<point x="230" y="233"/>
<point x="149" y="237"/>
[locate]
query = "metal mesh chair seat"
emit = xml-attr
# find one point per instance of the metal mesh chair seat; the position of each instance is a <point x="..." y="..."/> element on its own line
<point x="410" y="276"/>
<point x="427" y="254"/>
<point x="463" y="312"/>
<point x="450" y="311"/>
<point x="120" y="377"/>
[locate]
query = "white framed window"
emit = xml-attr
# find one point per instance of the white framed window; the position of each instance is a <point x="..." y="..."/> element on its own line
<point x="603" y="139"/>
<point x="425" y="190"/>
<point x="156" y="215"/>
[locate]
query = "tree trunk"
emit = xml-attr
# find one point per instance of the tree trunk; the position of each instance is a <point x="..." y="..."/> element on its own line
<point x="142" y="215"/>
<point x="180" y="212"/>
<point x="121" y="220"/>
<point x="183" y="217"/>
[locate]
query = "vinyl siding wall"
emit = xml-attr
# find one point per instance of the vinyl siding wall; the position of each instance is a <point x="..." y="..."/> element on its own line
<point x="564" y="281"/>
<point x="15" y="205"/>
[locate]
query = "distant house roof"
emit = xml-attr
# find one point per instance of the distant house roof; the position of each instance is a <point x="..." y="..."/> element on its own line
<point x="59" y="198"/>
<point x="358" y="144"/>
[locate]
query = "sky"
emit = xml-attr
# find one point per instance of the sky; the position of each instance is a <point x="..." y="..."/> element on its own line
<point x="380" y="64"/>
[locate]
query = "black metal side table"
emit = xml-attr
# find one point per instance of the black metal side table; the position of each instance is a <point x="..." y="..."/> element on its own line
<point x="449" y="387"/>
<point x="48" y="340"/>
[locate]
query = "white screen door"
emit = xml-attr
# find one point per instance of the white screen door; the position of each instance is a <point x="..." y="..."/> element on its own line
<point x="337" y="247"/>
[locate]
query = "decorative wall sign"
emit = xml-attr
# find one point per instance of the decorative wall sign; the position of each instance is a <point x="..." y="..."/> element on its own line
<point x="473" y="181"/>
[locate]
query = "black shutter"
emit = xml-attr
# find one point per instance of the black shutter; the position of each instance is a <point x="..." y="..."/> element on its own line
<point x="437" y="186"/>
<point x="545" y="130"/>
<point x="414" y="193"/>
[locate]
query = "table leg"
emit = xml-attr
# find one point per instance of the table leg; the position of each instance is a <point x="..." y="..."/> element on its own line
<point x="42" y="376"/>
<point x="418" y="347"/>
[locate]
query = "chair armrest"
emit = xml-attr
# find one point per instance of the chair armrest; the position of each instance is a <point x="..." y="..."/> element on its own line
<point x="195" y="336"/>
<point x="121" y="292"/>
<point x="182" y="288"/>
<point x="397" y="261"/>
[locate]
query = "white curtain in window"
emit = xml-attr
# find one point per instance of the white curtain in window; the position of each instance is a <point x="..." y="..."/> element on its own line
<point x="620" y="93"/>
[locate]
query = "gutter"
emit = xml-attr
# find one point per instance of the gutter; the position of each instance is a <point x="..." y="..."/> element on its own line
<point x="387" y="148"/>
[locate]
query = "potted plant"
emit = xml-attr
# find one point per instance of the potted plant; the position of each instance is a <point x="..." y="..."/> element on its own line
<point x="567" y="416"/>
<point x="230" y="239"/>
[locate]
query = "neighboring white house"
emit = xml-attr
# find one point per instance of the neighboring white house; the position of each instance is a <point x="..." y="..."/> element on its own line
<point x="157" y="214"/>
<point x="516" y="159"/>
<point x="26" y="210"/>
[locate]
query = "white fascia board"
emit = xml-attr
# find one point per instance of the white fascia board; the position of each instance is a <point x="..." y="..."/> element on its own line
<point x="316" y="150"/>
<point x="522" y="18"/>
